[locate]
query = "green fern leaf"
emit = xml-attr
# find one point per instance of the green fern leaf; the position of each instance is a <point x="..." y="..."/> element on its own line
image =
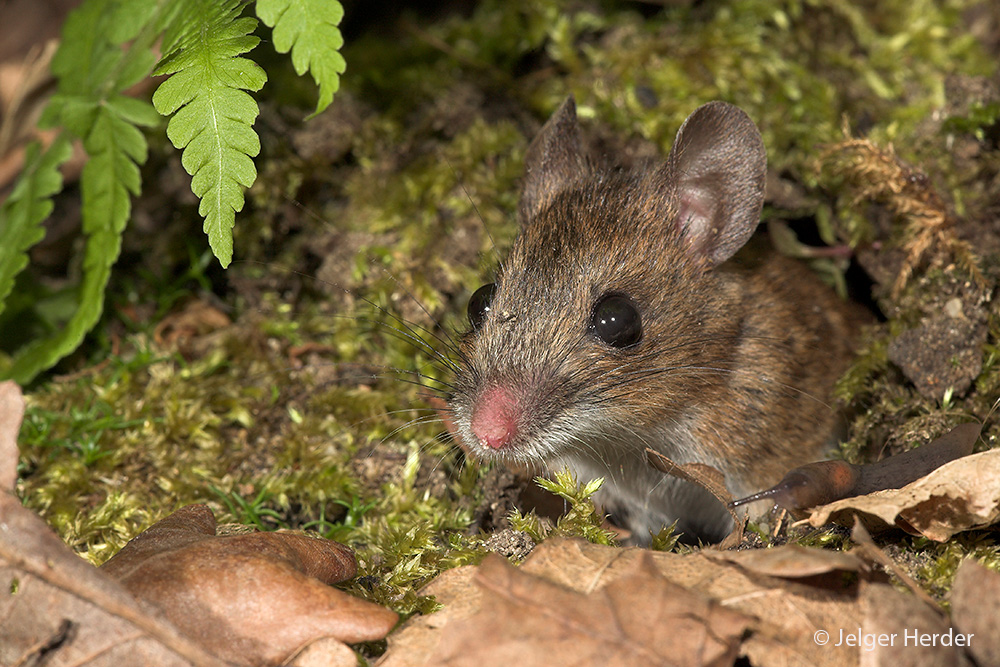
<point x="212" y="114"/>
<point x="309" y="29"/>
<point x="111" y="174"/>
<point x="114" y="146"/>
<point x="93" y="68"/>
<point x="28" y="205"/>
<point x="89" y="61"/>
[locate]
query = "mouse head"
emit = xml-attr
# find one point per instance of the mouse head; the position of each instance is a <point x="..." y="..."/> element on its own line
<point x="609" y="283"/>
<point x="715" y="173"/>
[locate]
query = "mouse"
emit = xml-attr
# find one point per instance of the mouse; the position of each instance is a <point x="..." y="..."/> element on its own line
<point x="624" y="317"/>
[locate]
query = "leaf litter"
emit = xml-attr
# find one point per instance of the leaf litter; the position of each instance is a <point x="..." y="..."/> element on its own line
<point x="198" y="598"/>
<point x="578" y="603"/>
<point x="566" y="563"/>
<point x="177" y="594"/>
<point x="582" y="604"/>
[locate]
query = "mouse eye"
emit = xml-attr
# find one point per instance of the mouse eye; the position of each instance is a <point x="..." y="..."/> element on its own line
<point x="616" y="321"/>
<point x="479" y="304"/>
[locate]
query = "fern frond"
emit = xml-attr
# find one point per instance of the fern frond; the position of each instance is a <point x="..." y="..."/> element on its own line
<point x="93" y="69"/>
<point x="309" y="29"/>
<point x="109" y="177"/>
<point x="115" y="147"/>
<point x="28" y="205"/>
<point x="212" y="115"/>
<point x="90" y="63"/>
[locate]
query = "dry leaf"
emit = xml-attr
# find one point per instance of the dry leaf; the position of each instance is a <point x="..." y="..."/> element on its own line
<point x="790" y="561"/>
<point x="975" y="608"/>
<point x="960" y="495"/>
<point x="792" y="622"/>
<point x="315" y="557"/>
<point x="413" y="643"/>
<point x="57" y="609"/>
<point x="897" y="630"/>
<point x="54" y="606"/>
<point x="184" y="328"/>
<point x="788" y="614"/>
<point x="579" y="565"/>
<point x="11" y="414"/>
<point x="326" y="652"/>
<point x="785" y="614"/>
<point x="705" y="476"/>
<point x="871" y="551"/>
<point x="252" y="598"/>
<point x="710" y="479"/>
<point x="530" y="621"/>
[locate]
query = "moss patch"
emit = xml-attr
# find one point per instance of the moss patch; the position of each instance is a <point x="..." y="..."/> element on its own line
<point x="372" y="224"/>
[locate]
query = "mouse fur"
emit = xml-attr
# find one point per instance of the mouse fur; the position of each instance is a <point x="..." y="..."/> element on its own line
<point x="735" y="364"/>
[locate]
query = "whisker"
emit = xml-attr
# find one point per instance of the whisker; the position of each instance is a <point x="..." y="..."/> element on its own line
<point x="417" y="342"/>
<point x="416" y="421"/>
<point x="450" y="343"/>
<point x="409" y="328"/>
<point x="475" y="208"/>
<point x="410" y="333"/>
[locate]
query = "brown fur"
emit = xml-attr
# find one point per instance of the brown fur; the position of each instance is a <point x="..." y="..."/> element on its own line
<point x="736" y="363"/>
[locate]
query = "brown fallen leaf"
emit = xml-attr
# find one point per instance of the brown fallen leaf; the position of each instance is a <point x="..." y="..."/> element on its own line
<point x="530" y="621"/>
<point x="975" y="608"/>
<point x="252" y="598"/>
<point x="189" y="329"/>
<point x="896" y="630"/>
<point x="710" y="479"/>
<point x="960" y="495"/>
<point x="326" y="652"/>
<point x="703" y="475"/>
<point x="58" y="609"/>
<point x="11" y="414"/>
<point x="414" y="642"/>
<point x="788" y="612"/>
<point x="578" y="565"/>
<point x="867" y="546"/>
<point x="784" y="614"/>
<point x="790" y="561"/>
<point x="321" y="559"/>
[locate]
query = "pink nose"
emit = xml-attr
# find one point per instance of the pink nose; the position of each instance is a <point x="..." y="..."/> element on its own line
<point x="495" y="417"/>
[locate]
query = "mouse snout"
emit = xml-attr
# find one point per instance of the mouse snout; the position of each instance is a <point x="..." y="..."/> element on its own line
<point x="495" y="418"/>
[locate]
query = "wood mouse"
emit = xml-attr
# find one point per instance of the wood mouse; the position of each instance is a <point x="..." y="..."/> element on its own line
<point x="616" y="323"/>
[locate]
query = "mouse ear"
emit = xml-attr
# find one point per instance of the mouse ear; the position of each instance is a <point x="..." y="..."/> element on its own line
<point x="554" y="160"/>
<point x="718" y="164"/>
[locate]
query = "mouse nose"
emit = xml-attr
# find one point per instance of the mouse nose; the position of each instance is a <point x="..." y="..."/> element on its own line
<point x="495" y="417"/>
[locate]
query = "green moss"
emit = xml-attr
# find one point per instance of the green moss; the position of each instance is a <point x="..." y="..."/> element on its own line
<point x="337" y="439"/>
<point x="581" y="518"/>
<point x="666" y="539"/>
<point x="857" y="381"/>
<point x="827" y="538"/>
<point x="975" y="121"/>
<point x="934" y="564"/>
